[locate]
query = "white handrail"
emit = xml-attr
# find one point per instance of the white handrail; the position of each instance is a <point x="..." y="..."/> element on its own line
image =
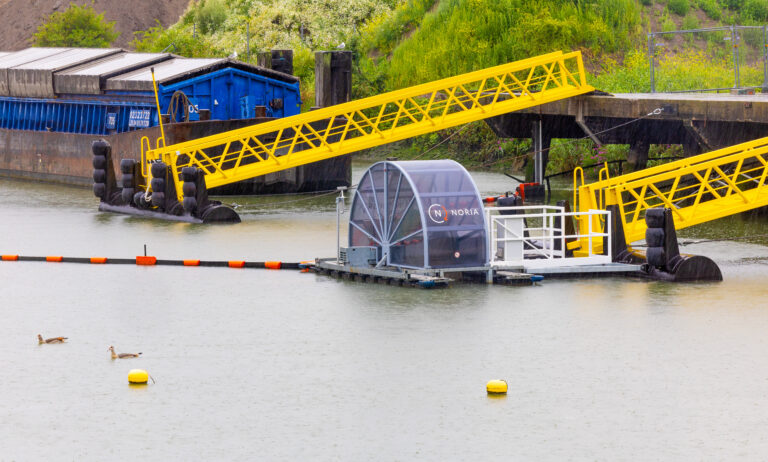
<point x="513" y="241"/>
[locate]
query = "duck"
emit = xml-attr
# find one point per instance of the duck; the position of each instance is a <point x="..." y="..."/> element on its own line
<point x="40" y="340"/>
<point x="122" y="355"/>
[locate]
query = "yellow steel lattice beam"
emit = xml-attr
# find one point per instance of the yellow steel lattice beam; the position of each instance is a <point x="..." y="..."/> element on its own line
<point x="342" y="129"/>
<point x="697" y="189"/>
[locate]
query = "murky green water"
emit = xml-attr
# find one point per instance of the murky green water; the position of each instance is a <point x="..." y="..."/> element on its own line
<point x="280" y="365"/>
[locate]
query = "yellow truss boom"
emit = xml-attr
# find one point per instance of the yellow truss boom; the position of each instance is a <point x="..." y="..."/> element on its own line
<point x="345" y="128"/>
<point x="697" y="189"/>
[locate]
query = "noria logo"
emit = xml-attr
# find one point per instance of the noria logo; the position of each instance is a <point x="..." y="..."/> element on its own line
<point x="440" y="214"/>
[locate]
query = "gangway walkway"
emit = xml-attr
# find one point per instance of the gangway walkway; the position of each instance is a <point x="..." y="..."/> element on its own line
<point x="697" y="189"/>
<point x="342" y="129"/>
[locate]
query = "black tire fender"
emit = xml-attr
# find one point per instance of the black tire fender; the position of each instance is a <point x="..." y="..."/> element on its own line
<point x="654" y="218"/>
<point x="656" y="256"/>
<point x="190" y="204"/>
<point x="99" y="176"/>
<point x="158" y="185"/>
<point x="158" y="199"/>
<point x="99" y="162"/>
<point x="158" y="170"/>
<point x="189" y="189"/>
<point x="100" y="190"/>
<point x="654" y="237"/>
<point x="189" y="174"/>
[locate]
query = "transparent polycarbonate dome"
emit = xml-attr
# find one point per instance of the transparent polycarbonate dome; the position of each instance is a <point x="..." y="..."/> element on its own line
<point x="420" y="214"/>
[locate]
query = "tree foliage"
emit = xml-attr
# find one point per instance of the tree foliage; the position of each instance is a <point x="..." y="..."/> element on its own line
<point x="175" y="40"/>
<point x="210" y="15"/>
<point x="77" y="26"/>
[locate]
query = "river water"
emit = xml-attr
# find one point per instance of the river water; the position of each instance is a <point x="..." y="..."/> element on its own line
<point x="280" y="365"/>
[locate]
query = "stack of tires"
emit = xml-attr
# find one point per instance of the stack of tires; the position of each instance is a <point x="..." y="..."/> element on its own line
<point x="189" y="188"/>
<point x="101" y="150"/>
<point x="159" y="171"/>
<point x="655" y="237"/>
<point x="127" y="169"/>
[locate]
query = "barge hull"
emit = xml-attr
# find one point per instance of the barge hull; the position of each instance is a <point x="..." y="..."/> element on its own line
<point x="65" y="158"/>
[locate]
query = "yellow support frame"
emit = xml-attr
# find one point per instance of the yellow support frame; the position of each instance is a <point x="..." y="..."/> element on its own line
<point x="698" y="189"/>
<point x="345" y="128"/>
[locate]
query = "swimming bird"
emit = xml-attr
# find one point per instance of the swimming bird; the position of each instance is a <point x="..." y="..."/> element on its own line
<point x="122" y="355"/>
<point x="40" y="340"/>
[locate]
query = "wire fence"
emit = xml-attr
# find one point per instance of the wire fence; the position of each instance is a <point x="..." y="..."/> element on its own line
<point x="743" y="50"/>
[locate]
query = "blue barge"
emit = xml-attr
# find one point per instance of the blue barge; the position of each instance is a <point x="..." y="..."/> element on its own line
<point x="55" y="101"/>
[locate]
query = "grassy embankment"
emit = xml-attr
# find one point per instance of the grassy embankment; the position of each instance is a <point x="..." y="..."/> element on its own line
<point x="398" y="43"/>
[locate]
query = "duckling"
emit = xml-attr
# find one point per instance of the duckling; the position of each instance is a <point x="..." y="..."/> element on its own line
<point x="122" y="355"/>
<point x="40" y="340"/>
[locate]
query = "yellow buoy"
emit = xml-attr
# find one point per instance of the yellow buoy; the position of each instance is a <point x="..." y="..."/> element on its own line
<point x="497" y="387"/>
<point x="138" y="376"/>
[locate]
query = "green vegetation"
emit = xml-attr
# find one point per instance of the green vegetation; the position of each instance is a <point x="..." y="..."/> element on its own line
<point x="397" y="43"/>
<point x="711" y="8"/>
<point x="756" y="10"/>
<point x="217" y="28"/>
<point x="690" y="21"/>
<point x="679" y="7"/>
<point x="485" y="33"/>
<point x="210" y="15"/>
<point x="77" y="26"/>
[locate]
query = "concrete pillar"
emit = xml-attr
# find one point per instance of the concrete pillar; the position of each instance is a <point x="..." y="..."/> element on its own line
<point x="637" y="157"/>
<point x="333" y="77"/>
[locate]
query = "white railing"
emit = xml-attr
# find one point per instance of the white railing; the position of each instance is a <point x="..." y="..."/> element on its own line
<point x="535" y="237"/>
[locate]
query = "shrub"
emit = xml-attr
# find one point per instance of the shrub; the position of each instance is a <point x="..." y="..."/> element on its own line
<point x="210" y="15"/>
<point x="668" y="25"/>
<point x="732" y="4"/>
<point x="77" y="26"/>
<point x="690" y="21"/>
<point x="756" y="10"/>
<point x="711" y="9"/>
<point x="176" y="40"/>
<point x="679" y="7"/>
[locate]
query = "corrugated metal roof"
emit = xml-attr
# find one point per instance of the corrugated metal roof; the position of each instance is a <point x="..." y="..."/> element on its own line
<point x="177" y="69"/>
<point x="35" y="79"/>
<point x="46" y="72"/>
<point x="69" y="58"/>
<point x="22" y="57"/>
<point x="90" y="78"/>
<point x="26" y="56"/>
<point x="141" y="79"/>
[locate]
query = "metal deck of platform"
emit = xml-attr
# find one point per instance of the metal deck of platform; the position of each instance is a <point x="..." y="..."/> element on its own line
<point x="444" y="277"/>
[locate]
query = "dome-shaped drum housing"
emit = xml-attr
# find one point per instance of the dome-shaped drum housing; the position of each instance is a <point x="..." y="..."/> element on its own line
<point x="420" y="214"/>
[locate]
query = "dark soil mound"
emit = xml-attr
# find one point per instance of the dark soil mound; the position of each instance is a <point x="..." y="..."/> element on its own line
<point x="21" y="17"/>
